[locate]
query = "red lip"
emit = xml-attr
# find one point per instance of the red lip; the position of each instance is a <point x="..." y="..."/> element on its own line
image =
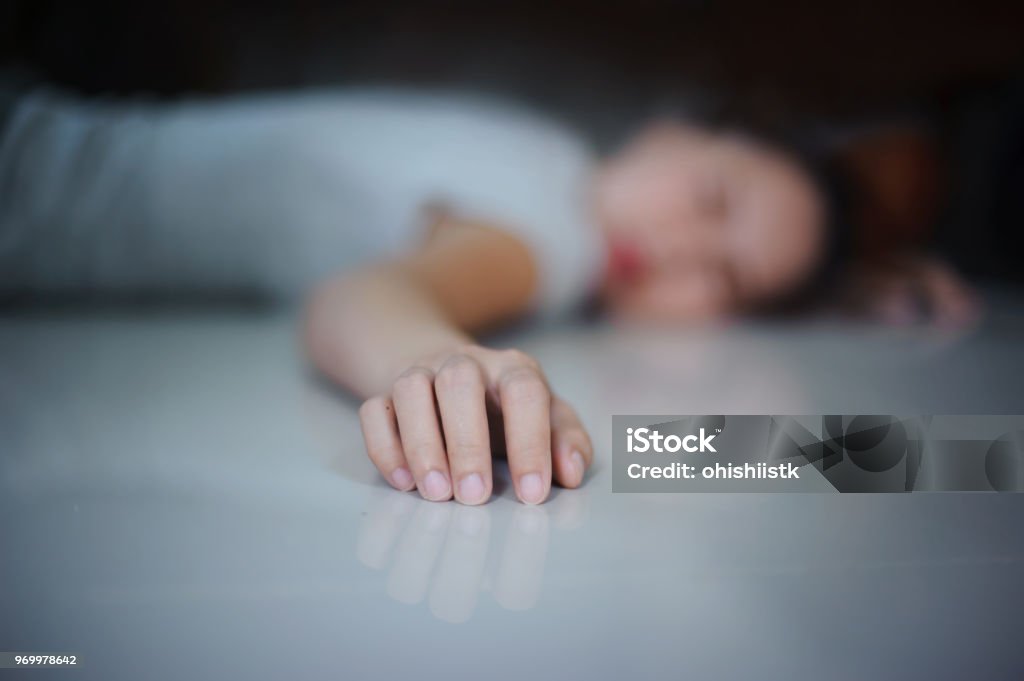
<point x="625" y="261"/>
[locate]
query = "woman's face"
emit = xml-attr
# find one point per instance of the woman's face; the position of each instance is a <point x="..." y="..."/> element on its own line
<point x="700" y="225"/>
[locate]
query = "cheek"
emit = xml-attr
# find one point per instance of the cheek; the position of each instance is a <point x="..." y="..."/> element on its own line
<point x="643" y="195"/>
<point x="777" y="261"/>
<point x="672" y="298"/>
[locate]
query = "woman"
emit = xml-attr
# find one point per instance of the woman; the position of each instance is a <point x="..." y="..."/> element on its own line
<point x="438" y="216"/>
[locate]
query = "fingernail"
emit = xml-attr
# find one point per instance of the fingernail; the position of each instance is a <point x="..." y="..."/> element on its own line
<point x="471" y="489"/>
<point x="435" y="486"/>
<point x="402" y="478"/>
<point x="578" y="465"/>
<point x="531" y="488"/>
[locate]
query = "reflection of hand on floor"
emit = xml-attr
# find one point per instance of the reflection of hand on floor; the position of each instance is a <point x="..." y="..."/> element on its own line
<point x="440" y="551"/>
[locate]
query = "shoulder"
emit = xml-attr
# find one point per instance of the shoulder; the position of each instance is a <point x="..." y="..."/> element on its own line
<point x="453" y="115"/>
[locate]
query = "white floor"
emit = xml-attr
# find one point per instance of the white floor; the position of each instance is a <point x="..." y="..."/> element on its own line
<point x="179" y="499"/>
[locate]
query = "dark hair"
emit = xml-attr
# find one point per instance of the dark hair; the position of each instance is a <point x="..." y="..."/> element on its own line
<point x="813" y="156"/>
<point x="836" y="191"/>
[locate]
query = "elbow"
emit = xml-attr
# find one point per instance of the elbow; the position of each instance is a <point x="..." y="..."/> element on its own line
<point x="321" y="325"/>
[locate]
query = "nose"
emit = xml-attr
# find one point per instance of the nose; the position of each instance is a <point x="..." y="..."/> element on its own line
<point x="695" y="242"/>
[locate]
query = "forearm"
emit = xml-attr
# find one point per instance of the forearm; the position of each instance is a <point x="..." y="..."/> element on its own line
<point x="397" y="334"/>
<point x="363" y="328"/>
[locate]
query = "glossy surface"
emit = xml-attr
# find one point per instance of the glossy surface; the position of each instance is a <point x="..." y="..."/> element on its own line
<point x="179" y="499"/>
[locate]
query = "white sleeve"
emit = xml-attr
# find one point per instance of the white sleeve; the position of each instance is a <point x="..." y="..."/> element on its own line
<point x="540" y="191"/>
<point x="271" y="193"/>
<point x="220" y="197"/>
<point x="496" y="164"/>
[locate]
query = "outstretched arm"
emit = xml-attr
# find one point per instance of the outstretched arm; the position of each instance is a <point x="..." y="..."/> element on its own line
<point x="398" y="335"/>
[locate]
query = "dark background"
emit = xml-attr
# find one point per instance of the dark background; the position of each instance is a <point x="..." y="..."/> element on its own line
<point x="833" y="71"/>
<point x="837" y="58"/>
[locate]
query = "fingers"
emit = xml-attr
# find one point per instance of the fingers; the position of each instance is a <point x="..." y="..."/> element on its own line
<point x="926" y="290"/>
<point x="526" y="408"/>
<point x="461" y="397"/>
<point x="896" y="304"/>
<point x="950" y="299"/>
<point x="413" y="398"/>
<point x="433" y="431"/>
<point x="380" y="432"/>
<point x="571" y="450"/>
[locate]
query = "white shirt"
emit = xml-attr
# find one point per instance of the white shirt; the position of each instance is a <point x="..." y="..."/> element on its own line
<point x="271" y="193"/>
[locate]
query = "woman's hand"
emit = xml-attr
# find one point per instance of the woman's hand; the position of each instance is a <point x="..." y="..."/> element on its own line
<point x="433" y="430"/>
<point x="912" y="291"/>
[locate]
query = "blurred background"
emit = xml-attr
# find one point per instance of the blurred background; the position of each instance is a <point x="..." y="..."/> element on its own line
<point x="178" y="483"/>
<point x="920" y="103"/>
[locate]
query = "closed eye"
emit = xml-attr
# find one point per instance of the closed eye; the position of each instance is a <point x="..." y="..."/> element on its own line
<point x="714" y="198"/>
